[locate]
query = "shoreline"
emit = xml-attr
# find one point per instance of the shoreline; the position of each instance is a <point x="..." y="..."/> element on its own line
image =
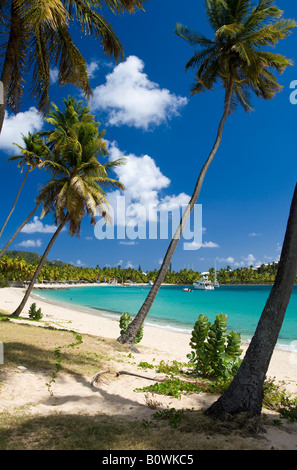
<point x="157" y="342"/>
<point x="115" y="315"/>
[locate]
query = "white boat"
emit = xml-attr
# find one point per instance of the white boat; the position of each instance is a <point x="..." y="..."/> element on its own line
<point x="203" y="285"/>
<point x="150" y="283"/>
<point x="187" y="289"/>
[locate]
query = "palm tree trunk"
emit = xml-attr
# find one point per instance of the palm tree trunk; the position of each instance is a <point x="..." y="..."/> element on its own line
<point x="19" y="310"/>
<point x="245" y="393"/>
<point x="15" y="202"/>
<point x="129" y="335"/>
<point x="2" y="252"/>
<point x="11" y="51"/>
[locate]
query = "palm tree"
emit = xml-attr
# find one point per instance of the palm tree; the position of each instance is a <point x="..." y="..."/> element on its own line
<point x="28" y="159"/>
<point x="234" y="57"/>
<point x="245" y="393"/>
<point x="62" y="121"/>
<point x="77" y="189"/>
<point x="38" y="36"/>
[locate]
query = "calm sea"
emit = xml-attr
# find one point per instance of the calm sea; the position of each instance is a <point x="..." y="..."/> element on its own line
<point x="178" y="310"/>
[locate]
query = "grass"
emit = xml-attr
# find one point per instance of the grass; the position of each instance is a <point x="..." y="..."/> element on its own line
<point x="35" y="347"/>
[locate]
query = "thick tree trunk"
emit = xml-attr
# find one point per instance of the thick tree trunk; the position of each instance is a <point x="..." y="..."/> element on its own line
<point x="130" y="334"/>
<point x="2" y="252"/>
<point x="10" y="59"/>
<point x="15" y="202"/>
<point x="245" y="393"/>
<point x="19" y="310"/>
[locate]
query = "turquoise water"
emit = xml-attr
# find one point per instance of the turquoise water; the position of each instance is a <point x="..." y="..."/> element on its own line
<point x="176" y="309"/>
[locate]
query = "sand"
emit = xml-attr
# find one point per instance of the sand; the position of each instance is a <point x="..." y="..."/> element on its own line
<point x="116" y="396"/>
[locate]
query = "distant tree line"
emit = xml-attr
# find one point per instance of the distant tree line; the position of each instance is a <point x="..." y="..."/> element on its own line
<point x="19" y="266"/>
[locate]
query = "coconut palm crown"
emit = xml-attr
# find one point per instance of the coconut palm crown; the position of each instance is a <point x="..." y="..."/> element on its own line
<point x="36" y="36"/>
<point x="73" y="148"/>
<point x="237" y="55"/>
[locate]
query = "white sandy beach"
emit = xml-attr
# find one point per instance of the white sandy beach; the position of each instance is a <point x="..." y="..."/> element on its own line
<point x="117" y="397"/>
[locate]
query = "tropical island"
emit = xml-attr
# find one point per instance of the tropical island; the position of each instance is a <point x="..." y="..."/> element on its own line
<point x="74" y="377"/>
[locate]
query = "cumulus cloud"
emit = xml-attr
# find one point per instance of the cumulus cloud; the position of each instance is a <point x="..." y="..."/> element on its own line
<point x="145" y="184"/>
<point x="17" y="124"/>
<point x="131" y="99"/>
<point x="36" y="226"/>
<point x="196" y="246"/>
<point x="54" y="75"/>
<point x="92" y="67"/>
<point x="31" y="243"/>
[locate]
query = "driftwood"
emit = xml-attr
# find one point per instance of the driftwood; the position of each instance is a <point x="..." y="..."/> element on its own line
<point x="96" y="376"/>
<point x="124" y="372"/>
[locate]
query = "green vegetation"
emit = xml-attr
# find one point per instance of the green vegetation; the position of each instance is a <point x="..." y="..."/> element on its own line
<point x="34" y="313"/>
<point x="21" y="265"/>
<point x="215" y="353"/>
<point x="125" y="321"/>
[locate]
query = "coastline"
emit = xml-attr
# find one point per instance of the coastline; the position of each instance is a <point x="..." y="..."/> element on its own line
<point x="157" y="342"/>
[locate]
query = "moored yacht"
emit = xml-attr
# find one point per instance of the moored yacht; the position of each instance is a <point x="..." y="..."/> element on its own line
<point x="203" y="284"/>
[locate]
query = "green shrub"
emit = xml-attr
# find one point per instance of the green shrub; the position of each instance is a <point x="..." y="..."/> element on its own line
<point x="3" y="281"/>
<point x="35" y="314"/>
<point x="125" y="321"/>
<point x="215" y="353"/>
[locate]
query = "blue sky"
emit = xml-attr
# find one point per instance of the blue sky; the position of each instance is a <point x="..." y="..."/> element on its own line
<point x="144" y="104"/>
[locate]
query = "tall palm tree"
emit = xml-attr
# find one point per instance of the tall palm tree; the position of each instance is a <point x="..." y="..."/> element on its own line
<point x="245" y="394"/>
<point x="38" y="36"/>
<point x="74" y="113"/>
<point x="77" y="189"/>
<point x="235" y="58"/>
<point x="29" y="160"/>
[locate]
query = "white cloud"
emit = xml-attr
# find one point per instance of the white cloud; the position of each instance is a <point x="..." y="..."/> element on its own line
<point x="196" y="246"/>
<point x="130" y="265"/>
<point x="38" y="227"/>
<point x="144" y="183"/>
<point x="229" y="260"/>
<point x="131" y="99"/>
<point x="92" y="67"/>
<point x="17" y="124"/>
<point x="54" y="75"/>
<point x="209" y="245"/>
<point x="254" y="234"/>
<point x="250" y="259"/>
<point x="31" y="243"/>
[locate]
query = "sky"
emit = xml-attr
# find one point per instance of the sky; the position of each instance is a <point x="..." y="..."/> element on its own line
<point x="150" y="118"/>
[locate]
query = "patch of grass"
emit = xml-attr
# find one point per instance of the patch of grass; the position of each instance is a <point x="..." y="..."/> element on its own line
<point x="79" y="432"/>
<point x="35" y="348"/>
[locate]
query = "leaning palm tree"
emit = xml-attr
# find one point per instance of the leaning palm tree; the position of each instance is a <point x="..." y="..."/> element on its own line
<point x="29" y="160"/>
<point x="38" y="36"/>
<point x="236" y="58"/>
<point x="244" y="396"/>
<point x="78" y="187"/>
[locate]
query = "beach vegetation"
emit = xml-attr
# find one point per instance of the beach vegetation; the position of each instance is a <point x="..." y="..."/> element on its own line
<point x="216" y="353"/>
<point x="237" y="58"/>
<point x="34" y="312"/>
<point x="37" y="38"/>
